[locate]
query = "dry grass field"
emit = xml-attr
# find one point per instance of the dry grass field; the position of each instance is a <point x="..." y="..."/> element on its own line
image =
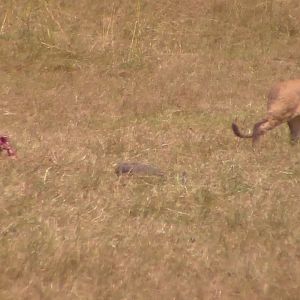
<point x="87" y="84"/>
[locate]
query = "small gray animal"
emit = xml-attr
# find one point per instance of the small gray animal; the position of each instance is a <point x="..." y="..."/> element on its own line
<point x="129" y="168"/>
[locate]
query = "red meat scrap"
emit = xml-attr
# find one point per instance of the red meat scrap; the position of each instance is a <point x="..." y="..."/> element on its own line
<point x="5" y="146"/>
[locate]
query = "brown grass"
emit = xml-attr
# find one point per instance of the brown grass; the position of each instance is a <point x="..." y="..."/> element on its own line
<point x="87" y="84"/>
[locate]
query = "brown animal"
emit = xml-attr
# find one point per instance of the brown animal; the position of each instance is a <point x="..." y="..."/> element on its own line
<point x="283" y="106"/>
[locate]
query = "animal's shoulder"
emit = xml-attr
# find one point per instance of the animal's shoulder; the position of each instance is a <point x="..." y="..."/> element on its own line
<point x="284" y="89"/>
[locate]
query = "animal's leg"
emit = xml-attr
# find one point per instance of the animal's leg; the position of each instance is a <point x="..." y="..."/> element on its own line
<point x="263" y="126"/>
<point x="294" y="126"/>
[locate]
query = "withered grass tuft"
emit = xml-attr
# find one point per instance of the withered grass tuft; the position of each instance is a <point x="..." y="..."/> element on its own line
<point x="87" y="84"/>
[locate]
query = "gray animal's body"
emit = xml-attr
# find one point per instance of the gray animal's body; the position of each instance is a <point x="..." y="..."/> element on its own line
<point x="138" y="169"/>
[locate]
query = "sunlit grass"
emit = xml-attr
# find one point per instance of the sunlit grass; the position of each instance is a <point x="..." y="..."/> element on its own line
<point x="87" y="85"/>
